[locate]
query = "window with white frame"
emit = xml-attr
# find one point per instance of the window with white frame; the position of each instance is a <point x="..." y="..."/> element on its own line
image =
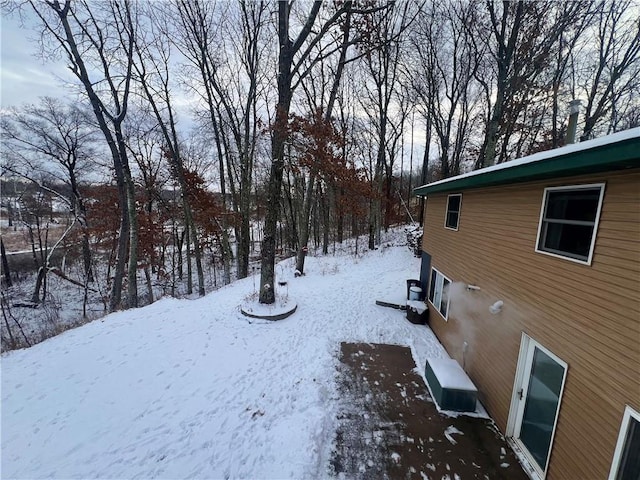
<point x="439" y="292"/>
<point x="569" y="221"/>
<point x="626" y="461"/>
<point x="452" y="217"/>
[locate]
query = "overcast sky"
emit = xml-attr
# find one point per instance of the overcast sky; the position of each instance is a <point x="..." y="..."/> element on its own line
<point x="23" y="75"/>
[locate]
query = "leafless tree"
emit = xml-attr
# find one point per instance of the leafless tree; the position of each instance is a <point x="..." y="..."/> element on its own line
<point x="100" y="54"/>
<point x="381" y="68"/>
<point x="225" y="45"/>
<point x="54" y="139"/>
<point x="520" y="37"/>
<point x="294" y="53"/>
<point x="145" y="144"/>
<point x="613" y="68"/>
<point x="151" y="66"/>
<point x="322" y="99"/>
<point x="445" y="85"/>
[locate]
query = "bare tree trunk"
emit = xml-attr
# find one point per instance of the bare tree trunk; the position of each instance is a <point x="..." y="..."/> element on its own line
<point x="304" y="223"/>
<point x="93" y="37"/>
<point x="306" y="209"/>
<point x="324" y="206"/>
<point x="187" y="230"/>
<point x="180" y="245"/>
<point x="6" y="273"/>
<point x="35" y="297"/>
<point x="147" y="275"/>
<point x="425" y="168"/>
<point x="373" y="209"/>
<point x="340" y="226"/>
<point x="132" y="217"/>
<point x="285" y="61"/>
<point x="198" y="255"/>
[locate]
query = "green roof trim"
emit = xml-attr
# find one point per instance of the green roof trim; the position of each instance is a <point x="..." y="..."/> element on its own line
<point x="615" y="152"/>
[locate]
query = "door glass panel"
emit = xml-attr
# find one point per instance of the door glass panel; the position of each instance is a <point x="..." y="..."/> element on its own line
<point x="630" y="461"/>
<point x="541" y="405"/>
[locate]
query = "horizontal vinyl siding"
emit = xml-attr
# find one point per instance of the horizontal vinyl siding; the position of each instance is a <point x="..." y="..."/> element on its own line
<point x="589" y="316"/>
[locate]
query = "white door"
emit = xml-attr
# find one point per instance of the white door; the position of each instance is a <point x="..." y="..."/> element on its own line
<point x="536" y="401"/>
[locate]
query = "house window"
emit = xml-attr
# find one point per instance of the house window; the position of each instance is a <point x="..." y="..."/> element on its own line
<point x="626" y="461"/>
<point x="569" y="221"/>
<point x="439" y="292"/>
<point x="453" y="211"/>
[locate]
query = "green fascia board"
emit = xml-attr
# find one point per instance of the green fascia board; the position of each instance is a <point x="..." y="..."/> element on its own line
<point x="609" y="157"/>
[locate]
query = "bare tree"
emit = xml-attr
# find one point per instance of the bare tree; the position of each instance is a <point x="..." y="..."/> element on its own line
<point x="36" y="216"/>
<point x="225" y="44"/>
<point x="100" y="55"/>
<point x="562" y="92"/>
<point x="521" y="37"/>
<point x="145" y="144"/>
<point x="381" y="68"/>
<point x="153" y="55"/>
<point x="55" y="139"/>
<point x="292" y="57"/>
<point x="614" y="67"/>
<point x="316" y="102"/>
<point x="445" y="84"/>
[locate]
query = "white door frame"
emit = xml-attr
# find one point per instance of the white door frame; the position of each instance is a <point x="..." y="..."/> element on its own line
<point x="629" y="413"/>
<point x="519" y="394"/>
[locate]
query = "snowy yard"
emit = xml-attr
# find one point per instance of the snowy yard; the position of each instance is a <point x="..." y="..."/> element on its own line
<point x="192" y="388"/>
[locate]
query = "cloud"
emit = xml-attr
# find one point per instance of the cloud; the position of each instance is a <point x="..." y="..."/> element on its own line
<point x="24" y="77"/>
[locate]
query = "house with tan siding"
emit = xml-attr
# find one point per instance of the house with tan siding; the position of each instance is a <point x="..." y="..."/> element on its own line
<point x="531" y="270"/>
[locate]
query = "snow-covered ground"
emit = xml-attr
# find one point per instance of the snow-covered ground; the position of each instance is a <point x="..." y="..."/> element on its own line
<point x="192" y="388"/>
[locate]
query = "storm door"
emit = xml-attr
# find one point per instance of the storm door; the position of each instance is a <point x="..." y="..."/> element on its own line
<point x="538" y="396"/>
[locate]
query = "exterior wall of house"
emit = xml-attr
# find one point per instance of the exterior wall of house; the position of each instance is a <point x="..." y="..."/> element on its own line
<point x="588" y="316"/>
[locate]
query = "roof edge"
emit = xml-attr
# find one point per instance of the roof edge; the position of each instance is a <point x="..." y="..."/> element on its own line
<point x="622" y="151"/>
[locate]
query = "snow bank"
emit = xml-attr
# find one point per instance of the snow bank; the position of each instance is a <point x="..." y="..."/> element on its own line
<point x="192" y="388"/>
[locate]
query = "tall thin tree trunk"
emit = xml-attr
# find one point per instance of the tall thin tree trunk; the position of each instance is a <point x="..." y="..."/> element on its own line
<point x="132" y="271"/>
<point x="325" y="221"/>
<point x="285" y="60"/>
<point x="304" y="224"/>
<point x="35" y="297"/>
<point x="425" y="167"/>
<point x="187" y="231"/>
<point x="147" y="275"/>
<point x="6" y="273"/>
<point x="198" y="255"/>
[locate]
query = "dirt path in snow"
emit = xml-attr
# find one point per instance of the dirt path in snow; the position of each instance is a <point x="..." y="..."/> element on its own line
<point x="390" y="427"/>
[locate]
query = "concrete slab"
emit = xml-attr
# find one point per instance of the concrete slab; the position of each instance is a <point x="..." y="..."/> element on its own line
<point x="390" y="427"/>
